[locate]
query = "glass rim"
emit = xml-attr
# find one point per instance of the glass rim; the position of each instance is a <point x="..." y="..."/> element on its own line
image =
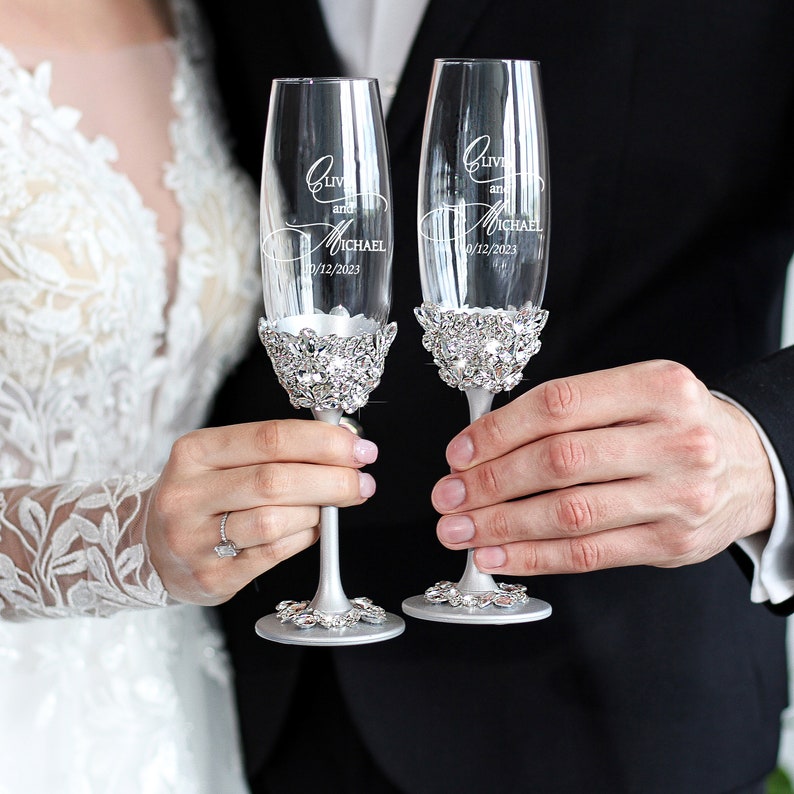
<point x="485" y="60"/>
<point x="322" y="80"/>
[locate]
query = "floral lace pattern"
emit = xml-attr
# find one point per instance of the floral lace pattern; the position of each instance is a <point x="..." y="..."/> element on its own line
<point x="99" y="373"/>
<point x="103" y="569"/>
<point x="92" y="380"/>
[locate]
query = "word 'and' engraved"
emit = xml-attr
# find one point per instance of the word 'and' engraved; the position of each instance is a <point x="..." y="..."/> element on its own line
<point x="449" y="222"/>
<point x="325" y="188"/>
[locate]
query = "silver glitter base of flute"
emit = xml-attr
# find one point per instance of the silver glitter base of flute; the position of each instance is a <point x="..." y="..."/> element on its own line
<point x="445" y="603"/>
<point x="504" y="597"/>
<point x="360" y="633"/>
<point x="327" y="372"/>
<point x="301" y="614"/>
<point x="481" y="348"/>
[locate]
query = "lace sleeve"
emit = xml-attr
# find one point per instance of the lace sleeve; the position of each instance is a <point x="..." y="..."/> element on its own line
<point x="76" y="549"/>
<point x="79" y="374"/>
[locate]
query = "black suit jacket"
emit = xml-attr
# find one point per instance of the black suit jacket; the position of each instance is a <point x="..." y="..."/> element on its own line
<point x="672" y="172"/>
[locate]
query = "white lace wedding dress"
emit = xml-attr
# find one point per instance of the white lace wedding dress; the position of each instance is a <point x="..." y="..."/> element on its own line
<point x="107" y="354"/>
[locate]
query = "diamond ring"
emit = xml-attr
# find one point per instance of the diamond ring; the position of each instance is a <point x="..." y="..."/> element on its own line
<point x="226" y="548"/>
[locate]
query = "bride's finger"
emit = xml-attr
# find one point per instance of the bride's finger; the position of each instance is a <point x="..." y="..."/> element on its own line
<point x="218" y="578"/>
<point x="284" y="484"/>
<point x="296" y="440"/>
<point x="266" y="525"/>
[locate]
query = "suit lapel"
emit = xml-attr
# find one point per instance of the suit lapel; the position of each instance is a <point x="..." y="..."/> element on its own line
<point x="444" y="29"/>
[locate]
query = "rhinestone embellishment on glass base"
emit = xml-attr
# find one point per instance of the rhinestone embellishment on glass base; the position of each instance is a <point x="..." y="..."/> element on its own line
<point x="302" y="615"/>
<point x="482" y="348"/>
<point x="327" y="372"/>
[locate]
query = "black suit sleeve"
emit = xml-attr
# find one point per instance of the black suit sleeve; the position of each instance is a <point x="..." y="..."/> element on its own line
<point x="766" y="390"/>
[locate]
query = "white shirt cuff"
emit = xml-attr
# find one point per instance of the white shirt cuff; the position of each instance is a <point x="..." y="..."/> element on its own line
<point x="772" y="552"/>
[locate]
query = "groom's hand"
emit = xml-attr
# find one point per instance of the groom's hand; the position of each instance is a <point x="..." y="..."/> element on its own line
<point x="638" y="465"/>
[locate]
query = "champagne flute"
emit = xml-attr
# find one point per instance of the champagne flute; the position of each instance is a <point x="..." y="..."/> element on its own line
<point x="483" y="223"/>
<point x="326" y="243"/>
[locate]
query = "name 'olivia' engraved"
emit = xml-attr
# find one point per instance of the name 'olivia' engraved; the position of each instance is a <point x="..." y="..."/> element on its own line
<point x="333" y="240"/>
<point x="479" y="164"/>
<point x="319" y="179"/>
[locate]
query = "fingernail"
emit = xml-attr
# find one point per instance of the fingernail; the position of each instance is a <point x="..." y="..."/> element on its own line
<point x="448" y="494"/>
<point x="489" y="557"/>
<point x="455" y="529"/>
<point x="365" y="451"/>
<point x="460" y="452"/>
<point x="366" y="484"/>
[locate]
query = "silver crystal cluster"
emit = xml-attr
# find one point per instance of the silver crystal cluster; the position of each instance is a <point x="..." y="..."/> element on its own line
<point x="303" y="616"/>
<point x="505" y="596"/>
<point x="485" y="349"/>
<point x="327" y="372"/>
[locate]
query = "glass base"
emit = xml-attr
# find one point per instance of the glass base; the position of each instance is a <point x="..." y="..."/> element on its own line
<point x="531" y="609"/>
<point x="271" y="628"/>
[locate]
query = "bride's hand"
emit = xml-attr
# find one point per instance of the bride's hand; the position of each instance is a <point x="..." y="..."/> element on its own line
<point x="270" y="477"/>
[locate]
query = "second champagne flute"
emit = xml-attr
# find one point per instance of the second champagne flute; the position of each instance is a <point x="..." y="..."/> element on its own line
<point x="483" y="226"/>
<point x="326" y="245"/>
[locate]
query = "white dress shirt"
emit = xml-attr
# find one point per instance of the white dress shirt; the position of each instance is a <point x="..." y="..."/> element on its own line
<point x="373" y="38"/>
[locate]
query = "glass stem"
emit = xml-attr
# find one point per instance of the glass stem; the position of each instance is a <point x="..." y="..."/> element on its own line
<point x="330" y="597"/>
<point x="474" y="580"/>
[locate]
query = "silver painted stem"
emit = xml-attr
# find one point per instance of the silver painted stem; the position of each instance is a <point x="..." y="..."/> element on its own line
<point x="473" y="579"/>
<point x="330" y="597"/>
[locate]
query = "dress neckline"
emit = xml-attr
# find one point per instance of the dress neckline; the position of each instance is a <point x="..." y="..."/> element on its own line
<point x="103" y="149"/>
